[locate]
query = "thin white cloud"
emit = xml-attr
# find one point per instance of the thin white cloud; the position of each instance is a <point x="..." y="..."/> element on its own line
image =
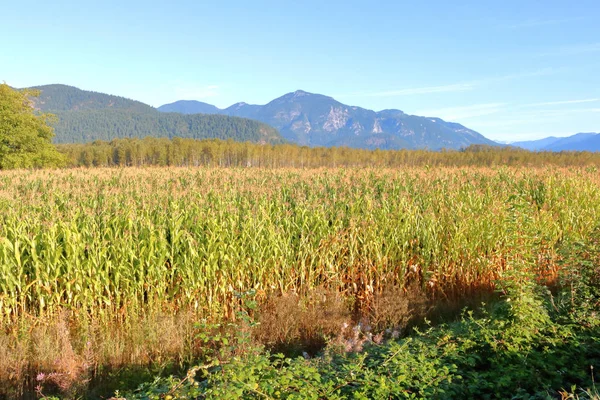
<point x="509" y="122"/>
<point x="562" y="102"/>
<point x="544" y="116"/>
<point x="527" y="135"/>
<point x="509" y="115"/>
<point x="572" y="50"/>
<point x="456" y="87"/>
<point x="464" y="112"/>
<point x="537" y="22"/>
<point x="453" y="87"/>
<point x="529" y="74"/>
<point x="561" y="112"/>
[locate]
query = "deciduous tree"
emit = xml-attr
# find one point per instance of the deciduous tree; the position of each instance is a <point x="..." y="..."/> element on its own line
<point x="25" y="136"/>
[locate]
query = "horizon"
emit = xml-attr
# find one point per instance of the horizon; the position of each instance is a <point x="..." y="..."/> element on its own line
<point x="509" y="71"/>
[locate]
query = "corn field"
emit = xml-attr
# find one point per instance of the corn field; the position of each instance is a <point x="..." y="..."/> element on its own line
<point x="114" y="242"/>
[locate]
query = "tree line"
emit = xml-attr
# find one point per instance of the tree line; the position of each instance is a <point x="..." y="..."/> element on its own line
<point x="152" y="151"/>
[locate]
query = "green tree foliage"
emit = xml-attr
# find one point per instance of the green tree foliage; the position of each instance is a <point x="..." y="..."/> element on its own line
<point x="25" y="137"/>
<point x="55" y="98"/>
<point x="84" y="116"/>
<point x="229" y="153"/>
<point x="108" y="124"/>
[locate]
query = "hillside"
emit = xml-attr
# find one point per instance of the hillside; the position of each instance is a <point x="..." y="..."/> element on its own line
<point x="190" y="107"/>
<point x="89" y="125"/>
<point x="577" y="142"/>
<point x="535" y="145"/>
<point x="318" y="120"/>
<point x="85" y="116"/>
<point x="68" y="98"/>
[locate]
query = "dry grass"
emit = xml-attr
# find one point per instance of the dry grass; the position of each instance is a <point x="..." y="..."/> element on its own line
<point x="63" y="353"/>
<point x="396" y="308"/>
<point x="291" y="323"/>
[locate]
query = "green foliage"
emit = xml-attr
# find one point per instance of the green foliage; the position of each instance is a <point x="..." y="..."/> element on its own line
<point x="580" y="275"/>
<point x="215" y="152"/>
<point x="515" y="351"/>
<point x="25" y="137"/>
<point x="83" y="126"/>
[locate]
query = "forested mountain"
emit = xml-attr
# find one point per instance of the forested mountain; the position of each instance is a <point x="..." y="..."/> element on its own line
<point x="317" y="120"/>
<point x="577" y="142"/>
<point x="85" y="116"/>
<point x="68" y="98"/>
<point x="190" y="107"/>
<point x="89" y="125"/>
<point x="301" y="117"/>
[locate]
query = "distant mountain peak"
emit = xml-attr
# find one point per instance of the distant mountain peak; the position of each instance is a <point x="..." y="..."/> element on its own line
<point x="303" y="96"/>
<point x="588" y="141"/>
<point x="294" y="95"/>
<point x="190" y="107"/>
<point x="300" y="93"/>
<point x="317" y="120"/>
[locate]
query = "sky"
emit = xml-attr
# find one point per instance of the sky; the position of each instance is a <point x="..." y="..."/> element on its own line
<point x="512" y="70"/>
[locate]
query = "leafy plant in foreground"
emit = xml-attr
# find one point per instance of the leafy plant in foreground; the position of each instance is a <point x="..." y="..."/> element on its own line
<point x="520" y="349"/>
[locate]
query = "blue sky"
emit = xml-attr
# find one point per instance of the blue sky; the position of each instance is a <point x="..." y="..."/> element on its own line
<point x="509" y="69"/>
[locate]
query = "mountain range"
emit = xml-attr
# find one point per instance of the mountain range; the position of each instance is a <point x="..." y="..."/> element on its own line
<point x="85" y="116"/>
<point x="299" y="117"/>
<point x="578" y="142"/>
<point x="317" y="120"/>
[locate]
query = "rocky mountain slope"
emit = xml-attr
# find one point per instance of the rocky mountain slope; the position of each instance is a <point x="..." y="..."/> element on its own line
<point x="318" y="120"/>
